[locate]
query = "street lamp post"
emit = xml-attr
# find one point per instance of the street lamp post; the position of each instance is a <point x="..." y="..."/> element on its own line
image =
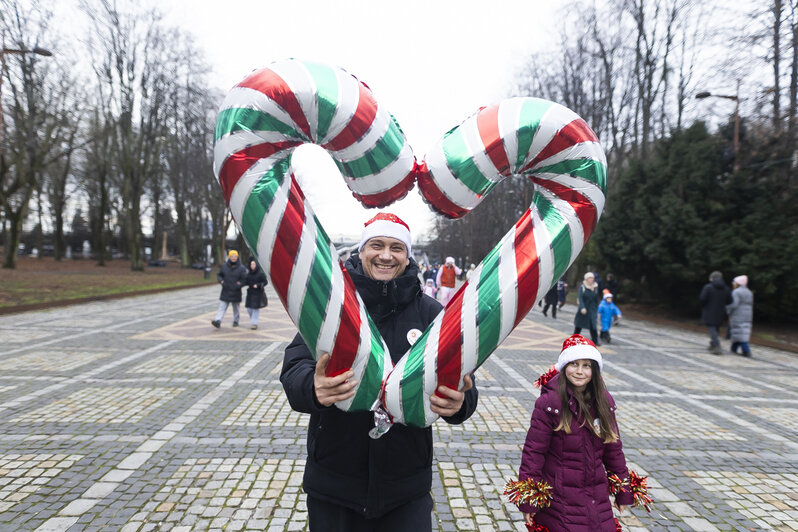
<point x="3" y="51"/>
<point x="736" y="140"/>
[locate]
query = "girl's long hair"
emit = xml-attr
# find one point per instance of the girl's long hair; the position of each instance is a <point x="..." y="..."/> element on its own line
<point x="594" y="394"/>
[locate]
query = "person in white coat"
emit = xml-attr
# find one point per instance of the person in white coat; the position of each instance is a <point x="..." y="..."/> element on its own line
<point x="741" y="315"/>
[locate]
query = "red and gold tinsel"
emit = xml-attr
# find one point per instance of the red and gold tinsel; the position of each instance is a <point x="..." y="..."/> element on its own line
<point x="636" y="484"/>
<point x="618" y="527"/>
<point x="546" y="377"/>
<point x="534" y="527"/>
<point x="534" y="492"/>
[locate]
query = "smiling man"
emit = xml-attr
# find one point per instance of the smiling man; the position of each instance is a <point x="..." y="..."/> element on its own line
<point x="355" y="483"/>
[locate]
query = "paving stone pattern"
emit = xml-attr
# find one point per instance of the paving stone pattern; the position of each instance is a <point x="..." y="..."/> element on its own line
<point x="138" y="415"/>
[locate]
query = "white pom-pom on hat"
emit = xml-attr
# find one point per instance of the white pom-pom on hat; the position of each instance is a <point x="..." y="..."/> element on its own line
<point x="577" y="347"/>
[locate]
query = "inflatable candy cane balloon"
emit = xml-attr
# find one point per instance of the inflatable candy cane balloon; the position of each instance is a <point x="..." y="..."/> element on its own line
<point x="262" y="120"/>
<point x="556" y="149"/>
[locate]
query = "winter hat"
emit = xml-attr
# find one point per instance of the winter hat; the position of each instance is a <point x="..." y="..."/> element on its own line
<point x="577" y="347"/>
<point x="232" y="253"/>
<point x="449" y="260"/>
<point x="742" y="280"/>
<point x="386" y="224"/>
<point x="607" y="295"/>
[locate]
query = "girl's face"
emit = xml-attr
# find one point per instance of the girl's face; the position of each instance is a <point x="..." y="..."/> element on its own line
<point x="253" y="265"/>
<point x="579" y="372"/>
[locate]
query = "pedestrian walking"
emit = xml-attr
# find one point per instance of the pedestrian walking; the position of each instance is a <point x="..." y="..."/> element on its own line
<point x="714" y="297"/>
<point x="429" y="288"/>
<point x="612" y="285"/>
<point x="232" y="276"/>
<point x="551" y="301"/>
<point x="470" y="271"/>
<point x="562" y="289"/>
<point x="741" y="315"/>
<point x="573" y="445"/>
<point x="588" y="297"/>
<point x="256" y="292"/>
<point x="446" y="280"/>
<point x="354" y="482"/>
<point x="609" y="313"/>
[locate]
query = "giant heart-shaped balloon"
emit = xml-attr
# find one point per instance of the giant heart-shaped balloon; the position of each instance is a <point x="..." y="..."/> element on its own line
<point x="290" y="103"/>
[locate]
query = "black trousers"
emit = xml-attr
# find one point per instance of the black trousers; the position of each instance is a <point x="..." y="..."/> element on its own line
<point x="415" y="516"/>
<point x="553" y="309"/>
<point x="593" y="334"/>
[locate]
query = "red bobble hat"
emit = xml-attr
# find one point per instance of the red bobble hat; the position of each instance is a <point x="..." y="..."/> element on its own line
<point x="577" y="347"/>
<point x="386" y="224"/>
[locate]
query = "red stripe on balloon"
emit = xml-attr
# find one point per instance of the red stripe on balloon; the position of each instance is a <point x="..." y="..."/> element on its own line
<point x="238" y="163"/>
<point x="347" y="340"/>
<point x="527" y="265"/>
<point x="488" y="126"/>
<point x="272" y="85"/>
<point x="286" y="244"/>
<point x="450" y="341"/>
<point x="383" y="199"/>
<point x="585" y="210"/>
<point x="359" y="124"/>
<point x="572" y="134"/>
<point x="434" y="196"/>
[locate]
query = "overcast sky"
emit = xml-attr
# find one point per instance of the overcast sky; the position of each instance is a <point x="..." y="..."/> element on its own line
<point x="430" y="63"/>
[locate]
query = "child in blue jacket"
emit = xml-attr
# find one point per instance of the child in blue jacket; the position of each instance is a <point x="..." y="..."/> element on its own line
<point x="607" y="311"/>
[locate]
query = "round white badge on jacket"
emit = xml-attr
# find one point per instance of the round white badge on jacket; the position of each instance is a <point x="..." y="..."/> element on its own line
<point x="413" y="335"/>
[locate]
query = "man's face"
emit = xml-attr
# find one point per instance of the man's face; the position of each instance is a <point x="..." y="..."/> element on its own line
<point x="384" y="258"/>
<point x="233" y="258"/>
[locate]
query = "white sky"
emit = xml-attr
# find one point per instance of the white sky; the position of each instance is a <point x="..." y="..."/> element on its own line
<point x="430" y="63"/>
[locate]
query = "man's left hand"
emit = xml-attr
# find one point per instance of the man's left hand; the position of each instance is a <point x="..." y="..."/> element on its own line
<point x="452" y="401"/>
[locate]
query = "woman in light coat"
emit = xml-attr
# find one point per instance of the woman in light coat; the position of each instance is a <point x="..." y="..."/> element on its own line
<point x="741" y="315"/>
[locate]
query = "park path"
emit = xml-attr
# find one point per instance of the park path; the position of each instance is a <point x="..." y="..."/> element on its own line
<point x="136" y="414"/>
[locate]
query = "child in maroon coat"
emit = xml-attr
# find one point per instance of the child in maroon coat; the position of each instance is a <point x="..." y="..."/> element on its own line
<point x="573" y="445"/>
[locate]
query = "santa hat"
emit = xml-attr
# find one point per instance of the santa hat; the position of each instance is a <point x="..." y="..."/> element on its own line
<point x="577" y="347"/>
<point x="742" y="280"/>
<point x="386" y="224"/>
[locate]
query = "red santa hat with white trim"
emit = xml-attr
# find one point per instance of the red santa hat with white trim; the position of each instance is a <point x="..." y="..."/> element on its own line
<point x="577" y="347"/>
<point x="386" y="224"/>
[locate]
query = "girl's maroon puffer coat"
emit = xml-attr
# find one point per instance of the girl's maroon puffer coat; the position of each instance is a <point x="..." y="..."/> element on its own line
<point x="574" y="465"/>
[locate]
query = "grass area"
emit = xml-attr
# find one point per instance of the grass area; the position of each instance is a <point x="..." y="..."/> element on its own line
<point x="43" y="280"/>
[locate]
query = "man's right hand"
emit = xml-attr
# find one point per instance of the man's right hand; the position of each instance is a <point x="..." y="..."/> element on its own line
<point x="330" y="390"/>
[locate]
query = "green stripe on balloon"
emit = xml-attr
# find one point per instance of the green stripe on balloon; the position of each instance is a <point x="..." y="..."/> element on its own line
<point x="488" y="317"/>
<point x="412" y="383"/>
<point x="317" y="294"/>
<point x="556" y="225"/>
<point x="531" y="113"/>
<point x="242" y="119"/>
<point x="587" y="169"/>
<point x="326" y="95"/>
<point x="371" y="381"/>
<point x="461" y="163"/>
<point x="386" y="151"/>
<point x="259" y="201"/>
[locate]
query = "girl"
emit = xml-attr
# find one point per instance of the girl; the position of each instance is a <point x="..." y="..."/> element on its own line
<point x="573" y="445"/>
<point x="429" y="288"/>
<point x="256" y="293"/>
<point x="588" y="299"/>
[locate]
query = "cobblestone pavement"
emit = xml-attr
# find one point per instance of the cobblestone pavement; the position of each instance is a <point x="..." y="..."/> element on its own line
<point x="137" y="414"/>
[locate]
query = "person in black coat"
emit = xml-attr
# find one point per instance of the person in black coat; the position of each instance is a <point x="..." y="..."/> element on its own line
<point x="354" y="482"/>
<point x="551" y="301"/>
<point x="232" y="276"/>
<point x="256" y="292"/>
<point x="713" y="298"/>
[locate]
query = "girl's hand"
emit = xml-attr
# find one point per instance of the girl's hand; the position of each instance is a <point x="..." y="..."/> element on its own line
<point x="583" y="311"/>
<point x="529" y="519"/>
<point x="621" y="507"/>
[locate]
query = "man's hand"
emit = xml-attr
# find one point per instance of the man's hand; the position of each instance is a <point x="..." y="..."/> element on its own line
<point x="453" y="401"/>
<point x="330" y="390"/>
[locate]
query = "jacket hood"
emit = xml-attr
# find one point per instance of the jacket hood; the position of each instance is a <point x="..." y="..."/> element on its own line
<point x="718" y="283"/>
<point x="384" y="298"/>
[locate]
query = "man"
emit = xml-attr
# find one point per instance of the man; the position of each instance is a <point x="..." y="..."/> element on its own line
<point x="713" y="298"/>
<point x="353" y="482"/>
<point x="447" y="277"/>
<point x="232" y="276"/>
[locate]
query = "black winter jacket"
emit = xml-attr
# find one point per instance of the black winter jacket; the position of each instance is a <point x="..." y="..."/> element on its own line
<point x="714" y="297"/>
<point x="233" y="276"/>
<point x="344" y="465"/>
<point x="256" y="289"/>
